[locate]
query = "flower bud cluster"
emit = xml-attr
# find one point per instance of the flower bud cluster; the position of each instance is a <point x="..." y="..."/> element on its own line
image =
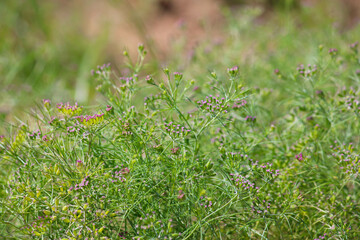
<point x="213" y="104"/>
<point x="38" y="226"/>
<point x="100" y="69"/>
<point x="310" y="71"/>
<point x="239" y="104"/>
<point x="89" y="120"/>
<point x="242" y="182"/>
<point x="35" y="134"/>
<point x="68" y="109"/>
<point x="233" y="72"/>
<point x="118" y="176"/>
<point x="176" y="130"/>
<point x="348" y="159"/>
<point x="299" y="157"/>
<point x="266" y="168"/>
<point x="261" y="207"/>
<point x="205" y="202"/>
<point x="250" y="118"/>
<point x="354" y="46"/>
<point x="333" y="52"/>
<point x="80" y="186"/>
<point x="47" y="103"/>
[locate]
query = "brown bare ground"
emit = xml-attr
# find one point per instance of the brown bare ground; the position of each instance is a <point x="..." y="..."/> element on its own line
<point x="159" y="22"/>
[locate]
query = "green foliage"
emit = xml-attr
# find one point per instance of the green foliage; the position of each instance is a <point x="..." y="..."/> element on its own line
<point x="40" y="55"/>
<point x="268" y="149"/>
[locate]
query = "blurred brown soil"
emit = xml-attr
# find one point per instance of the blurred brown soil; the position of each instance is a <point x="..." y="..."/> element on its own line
<point x="152" y="22"/>
<point x="159" y="22"/>
<point x="353" y="11"/>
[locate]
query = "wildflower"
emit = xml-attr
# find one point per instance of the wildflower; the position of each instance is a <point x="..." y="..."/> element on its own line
<point x="250" y="118"/>
<point x="175" y="150"/>
<point x="125" y="171"/>
<point x="175" y="130"/>
<point x="311" y="70"/>
<point x="319" y="93"/>
<point x="301" y="69"/>
<point x="69" y="110"/>
<point x="46" y="103"/>
<point x="181" y="194"/>
<point x="109" y="109"/>
<point x="239" y="104"/>
<point x="233" y="71"/>
<point x="71" y="129"/>
<point x="45" y="138"/>
<point x="79" y="163"/>
<point x="354" y="46"/>
<point x="242" y="182"/>
<point x="89" y="120"/>
<point x="213" y="104"/>
<point x="101" y="70"/>
<point x="150" y="80"/>
<point x="35" y="133"/>
<point x="178" y="77"/>
<point x="333" y="52"/>
<point x="299" y="157"/>
<point x="52" y="120"/>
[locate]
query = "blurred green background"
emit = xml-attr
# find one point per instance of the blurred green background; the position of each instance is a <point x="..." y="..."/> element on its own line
<point x="47" y="48"/>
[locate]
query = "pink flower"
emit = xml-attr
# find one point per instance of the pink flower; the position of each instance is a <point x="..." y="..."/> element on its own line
<point x="299" y="157"/>
<point x="108" y="108"/>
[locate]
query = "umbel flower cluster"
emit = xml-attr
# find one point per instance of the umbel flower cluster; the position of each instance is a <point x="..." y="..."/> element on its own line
<point x="89" y="120"/>
<point x="65" y="108"/>
<point x="214" y="104"/>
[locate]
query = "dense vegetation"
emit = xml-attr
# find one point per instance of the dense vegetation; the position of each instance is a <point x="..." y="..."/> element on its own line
<point x="244" y="143"/>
